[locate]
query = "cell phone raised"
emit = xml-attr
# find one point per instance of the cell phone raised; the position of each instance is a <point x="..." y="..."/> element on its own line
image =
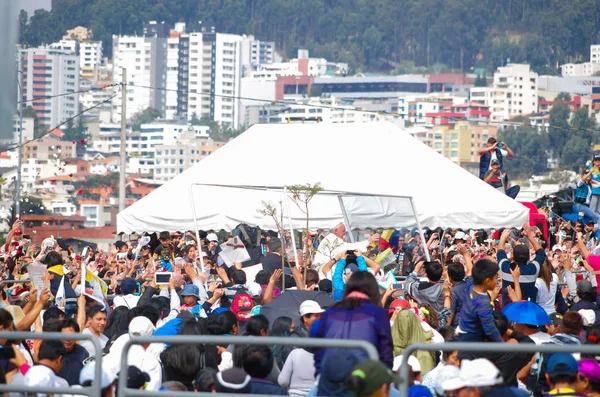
<point x="162" y="278"/>
<point x="399" y="286"/>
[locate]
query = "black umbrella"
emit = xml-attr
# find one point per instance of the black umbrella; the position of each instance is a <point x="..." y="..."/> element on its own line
<point x="288" y="304"/>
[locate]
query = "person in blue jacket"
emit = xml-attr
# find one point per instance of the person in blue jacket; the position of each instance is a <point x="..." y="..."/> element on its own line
<point x="357" y="316"/>
<point x="343" y="271"/>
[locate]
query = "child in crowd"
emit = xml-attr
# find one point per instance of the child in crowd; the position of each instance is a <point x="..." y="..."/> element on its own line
<point x="191" y="297"/>
<point x="476" y="321"/>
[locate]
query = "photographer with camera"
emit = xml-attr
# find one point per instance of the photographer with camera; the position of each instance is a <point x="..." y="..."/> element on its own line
<point x="494" y="150"/>
<point x="349" y="262"/>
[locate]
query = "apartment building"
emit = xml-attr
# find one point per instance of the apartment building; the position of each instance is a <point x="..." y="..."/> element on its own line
<point x="513" y="93"/>
<point x="48" y="73"/>
<point x="460" y="142"/>
<point x="145" y="60"/>
<point x="173" y="159"/>
<point x="595" y="53"/>
<point x="215" y="77"/>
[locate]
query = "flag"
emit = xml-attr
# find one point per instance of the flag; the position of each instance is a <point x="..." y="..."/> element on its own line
<point x="97" y="289"/>
<point x="60" y="294"/>
<point x="383" y="255"/>
<point x="388" y="280"/>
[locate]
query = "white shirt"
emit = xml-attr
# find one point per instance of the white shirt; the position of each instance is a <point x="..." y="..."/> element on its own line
<point x="494" y="157"/>
<point x="546" y="297"/>
<point x="540" y="337"/>
<point x="89" y="346"/>
<point x="130" y="301"/>
<point x="39" y="376"/>
<point x="146" y="362"/>
<point x="298" y="372"/>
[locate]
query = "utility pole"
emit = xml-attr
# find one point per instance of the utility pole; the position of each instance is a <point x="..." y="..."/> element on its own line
<point x="20" y="150"/>
<point x="123" y="168"/>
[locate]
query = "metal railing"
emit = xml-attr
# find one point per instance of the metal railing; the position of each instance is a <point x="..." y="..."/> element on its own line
<point x="93" y="391"/>
<point x="124" y="391"/>
<point x="487" y="347"/>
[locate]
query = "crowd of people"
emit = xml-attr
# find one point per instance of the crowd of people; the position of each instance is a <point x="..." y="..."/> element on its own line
<point x="393" y="289"/>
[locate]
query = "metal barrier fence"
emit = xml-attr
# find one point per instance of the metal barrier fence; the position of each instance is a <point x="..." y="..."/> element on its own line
<point x="93" y="391"/>
<point x="123" y="391"/>
<point x="487" y="347"/>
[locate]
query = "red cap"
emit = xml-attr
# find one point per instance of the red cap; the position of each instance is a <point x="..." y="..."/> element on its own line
<point x="241" y="306"/>
<point x="398" y="304"/>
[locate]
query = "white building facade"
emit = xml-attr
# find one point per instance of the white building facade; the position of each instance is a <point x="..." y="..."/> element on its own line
<point x="144" y="59"/>
<point x="215" y="71"/>
<point x="513" y="93"/>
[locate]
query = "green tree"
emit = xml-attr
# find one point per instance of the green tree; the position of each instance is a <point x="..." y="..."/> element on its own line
<point x="146" y="116"/>
<point x="559" y="129"/>
<point x="30" y="206"/>
<point x="531" y="149"/>
<point x="77" y="133"/>
<point x="563" y="96"/>
<point x="480" y="81"/>
<point x="576" y="151"/>
<point x="38" y="128"/>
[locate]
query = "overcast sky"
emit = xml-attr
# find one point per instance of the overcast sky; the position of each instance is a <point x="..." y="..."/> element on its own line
<point x="31" y="5"/>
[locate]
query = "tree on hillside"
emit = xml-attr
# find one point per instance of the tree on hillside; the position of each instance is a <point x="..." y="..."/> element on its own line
<point x="146" y="116"/>
<point x="480" y="81"/>
<point x="77" y="133"/>
<point x="559" y="129"/>
<point x="531" y="151"/>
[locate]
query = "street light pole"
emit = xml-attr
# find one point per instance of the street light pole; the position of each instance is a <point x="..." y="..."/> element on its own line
<point x="20" y="150"/>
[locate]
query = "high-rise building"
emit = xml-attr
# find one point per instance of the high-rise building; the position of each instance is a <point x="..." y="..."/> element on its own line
<point x="144" y="58"/>
<point x="50" y="73"/>
<point x="513" y="93"/>
<point x="214" y="77"/>
<point x="256" y="53"/>
<point x="89" y="52"/>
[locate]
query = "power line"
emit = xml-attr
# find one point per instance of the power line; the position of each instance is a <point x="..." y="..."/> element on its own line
<point x="282" y="102"/>
<point x="374" y="112"/>
<point x="63" y="123"/>
<point x="39" y="98"/>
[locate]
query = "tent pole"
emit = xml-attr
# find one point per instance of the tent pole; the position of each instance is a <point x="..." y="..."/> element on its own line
<point x="289" y="216"/>
<point x="196" y="231"/>
<point x="346" y="220"/>
<point x="415" y="213"/>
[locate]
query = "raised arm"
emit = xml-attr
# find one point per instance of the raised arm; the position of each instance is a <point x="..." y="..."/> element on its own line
<point x="582" y="248"/>
<point x="503" y="238"/>
<point x="369" y="262"/>
<point x="509" y="152"/>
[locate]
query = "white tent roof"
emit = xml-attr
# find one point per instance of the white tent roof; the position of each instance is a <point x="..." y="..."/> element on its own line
<point x="353" y="160"/>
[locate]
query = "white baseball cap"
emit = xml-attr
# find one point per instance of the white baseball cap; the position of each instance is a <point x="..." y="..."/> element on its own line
<point x="88" y="373"/>
<point x="310" y="307"/>
<point x="475" y="373"/>
<point x="414" y="363"/>
<point x="212" y="237"/>
<point x="460" y="236"/>
<point x="588" y="316"/>
<point x="448" y="372"/>
<point x="141" y="326"/>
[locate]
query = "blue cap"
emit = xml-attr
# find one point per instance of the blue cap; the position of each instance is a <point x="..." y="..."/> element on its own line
<point x="219" y="310"/>
<point x="128" y="286"/>
<point x="562" y="363"/>
<point x="191" y="290"/>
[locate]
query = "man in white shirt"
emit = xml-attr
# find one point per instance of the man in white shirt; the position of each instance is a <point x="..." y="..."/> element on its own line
<point x="334" y="243"/>
<point x="127" y="297"/>
<point x="97" y="319"/>
<point x="139" y="357"/>
<point x="48" y="365"/>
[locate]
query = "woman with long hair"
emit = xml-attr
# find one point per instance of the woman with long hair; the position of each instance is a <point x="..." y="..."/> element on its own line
<point x="358" y="316"/>
<point x="117" y="324"/>
<point x="546" y="284"/>
<point x="282" y="326"/>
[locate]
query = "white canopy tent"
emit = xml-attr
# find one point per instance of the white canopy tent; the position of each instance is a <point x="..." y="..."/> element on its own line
<point x="376" y="170"/>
